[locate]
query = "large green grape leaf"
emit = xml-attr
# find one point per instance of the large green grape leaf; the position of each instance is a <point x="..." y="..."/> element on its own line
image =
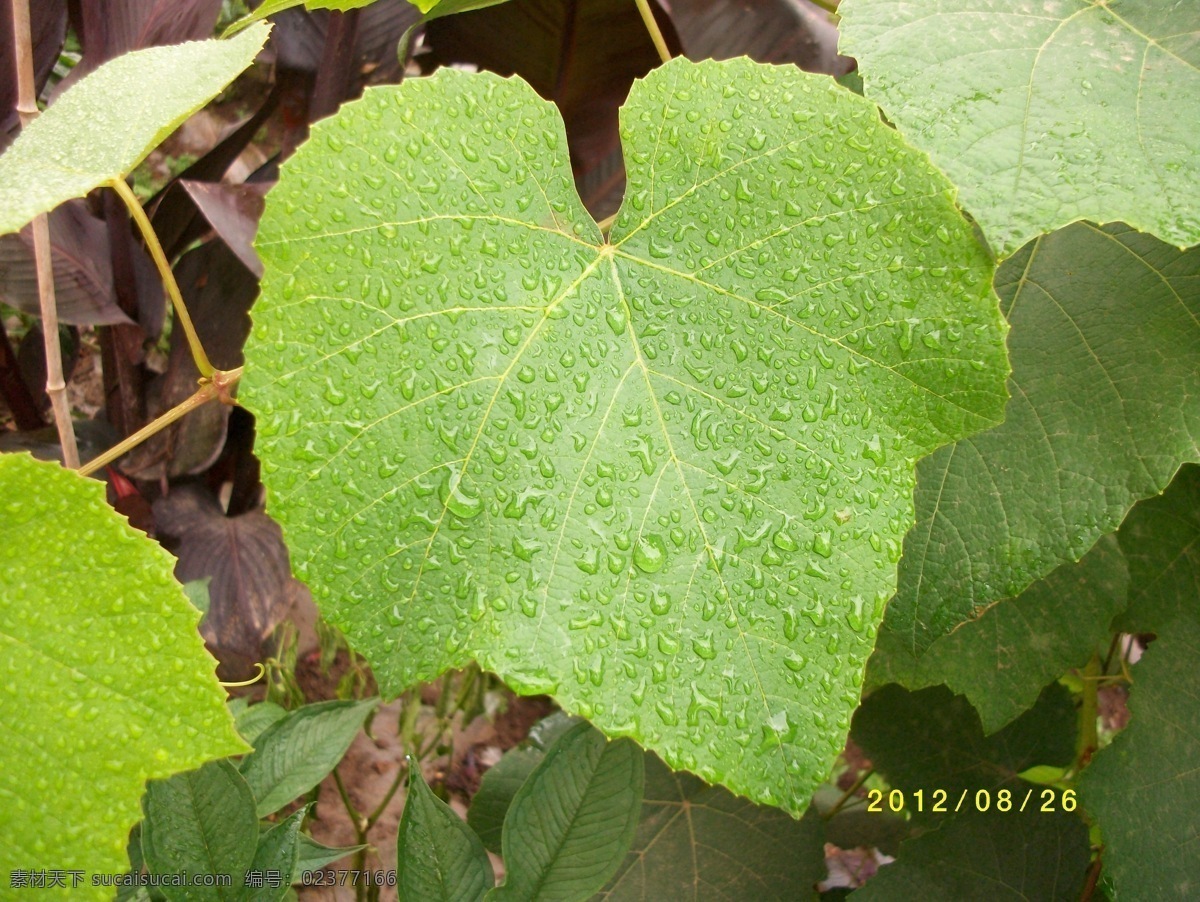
<point x="1042" y="112"/>
<point x="1002" y="660"/>
<point x="1144" y="789"/>
<point x="664" y="478"/>
<point x="1105" y="347"/>
<point x="106" y="682"/>
<point x="105" y="124"/>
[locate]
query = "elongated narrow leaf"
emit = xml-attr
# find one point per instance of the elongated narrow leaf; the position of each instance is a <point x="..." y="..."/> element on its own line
<point x="1002" y="660"/>
<point x="987" y="857"/>
<point x="664" y="478"/>
<point x="1044" y="112"/>
<point x="1143" y="791"/>
<point x="696" y="842"/>
<point x="1105" y="406"/>
<point x="438" y="857"/>
<point x="570" y="825"/>
<point x="92" y="628"/>
<point x="430" y="9"/>
<point x="297" y="752"/>
<point x="200" y="826"/>
<point x="102" y="127"/>
<point x="253" y="720"/>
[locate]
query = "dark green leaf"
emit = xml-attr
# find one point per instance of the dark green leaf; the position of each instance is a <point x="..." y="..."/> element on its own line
<point x="1044" y="113"/>
<point x="275" y="863"/>
<point x="989" y="857"/>
<point x="438" y="857"/>
<point x="489" y="434"/>
<point x="314" y="856"/>
<point x="1144" y="789"/>
<point x="297" y="752"/>
<point x="200" y="823"/>
<point x="496" y="791"/>
<point x="1105" y="406"/>
<point x="572" y="822"/>
<point x="1002" y="660"/>
<point x="932" y="740"/>
<point x="699" y="842"/>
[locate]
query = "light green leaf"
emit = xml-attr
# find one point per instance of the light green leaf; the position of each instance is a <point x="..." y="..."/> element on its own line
<point x="103" y="669"/>
<point x="200" y="824"/>
<point x="1002" y="660"/>
<point x="989" y="857"/>
<point x="570" y="825"/>
<point x="698" y="842"/>
<point x="277" y="856"/>
<point x="438" y="857"/>
<point x="664" y="478"/>
<point x="1144" y="789"/>
<point x="297" y="752"/>
<point x="105" y="124"/>
<point x="1044" y="113"/>
<point x="1105" y="347"/>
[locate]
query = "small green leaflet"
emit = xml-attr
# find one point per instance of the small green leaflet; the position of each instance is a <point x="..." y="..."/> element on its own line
<point x="1044" y="112"/>
<point x="104" y="669"/>
<point x="103" y="126"/>
<point x="665" y="478"/>
<point x="437" y="855"/>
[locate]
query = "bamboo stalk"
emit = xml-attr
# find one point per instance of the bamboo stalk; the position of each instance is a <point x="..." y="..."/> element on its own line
<point x="56" y="386"/>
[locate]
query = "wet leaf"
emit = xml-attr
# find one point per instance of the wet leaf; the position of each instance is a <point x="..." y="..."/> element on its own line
<point x="665" y="479"/>
<point x="1002" y="660"/>
<point x="104" y="125"/>
<point x="438" y="857"/>
<point x="1044" y="113"/>
<point x="571" y="823"/>
<point x="1105" y="406"/>
<point x="91" y="627"/>
<point x="277" y="854"/>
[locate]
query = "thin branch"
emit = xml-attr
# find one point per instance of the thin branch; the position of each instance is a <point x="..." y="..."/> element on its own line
<point x="56" y="386"/>
<point x="164" y="270"/>
<point x="219" y="388"/>
<point x="656" y="35"/>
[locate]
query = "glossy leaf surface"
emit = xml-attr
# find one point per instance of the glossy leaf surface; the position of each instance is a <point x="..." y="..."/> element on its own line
<point x="90" y="628"/>
<point x="664" y="478"/>
<point x="103" y="126"/>
<point x="1044" y="113"/>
